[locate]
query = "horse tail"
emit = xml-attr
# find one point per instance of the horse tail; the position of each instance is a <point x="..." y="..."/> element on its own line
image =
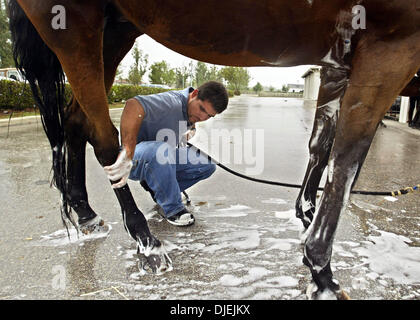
<point x="42" y="69"/>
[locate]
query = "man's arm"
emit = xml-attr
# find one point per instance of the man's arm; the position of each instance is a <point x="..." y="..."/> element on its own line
<point x="131" y="120"/>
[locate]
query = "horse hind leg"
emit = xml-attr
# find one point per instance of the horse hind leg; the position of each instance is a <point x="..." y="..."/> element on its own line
<point x="76" y="129"/>
<point x="333" y="86"/>
<point x="76" y="163"/>
<point x="32" y="57"/>
<point x="375" y="82"/>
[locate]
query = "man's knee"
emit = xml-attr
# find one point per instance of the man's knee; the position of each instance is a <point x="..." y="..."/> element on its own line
<point x="209" y="170"/>
<point x="212" y="168"/>
<point x="150" y="151"/>
<point x="145" y="157"/>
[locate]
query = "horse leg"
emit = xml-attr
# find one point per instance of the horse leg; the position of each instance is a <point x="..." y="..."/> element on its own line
<point x="75" y="127"/>
<point x="79" y="50"/>
<point x="333" y="85"/>
<point x="415" y="121"/>
<point x="119" y="37"/>
<point x="375" y="82"/>
<point x="411" y="110"/>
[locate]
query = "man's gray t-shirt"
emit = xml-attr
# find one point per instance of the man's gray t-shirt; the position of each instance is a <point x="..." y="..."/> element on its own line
<point x="165" y="112"/>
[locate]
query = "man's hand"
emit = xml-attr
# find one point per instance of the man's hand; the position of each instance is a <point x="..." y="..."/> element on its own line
<point x="186" y="137"/>
<point x="190" y="133"/>
<point x="120" y="170"/>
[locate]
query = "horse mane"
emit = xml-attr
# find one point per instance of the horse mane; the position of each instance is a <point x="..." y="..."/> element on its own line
<point x="42" y="69"/>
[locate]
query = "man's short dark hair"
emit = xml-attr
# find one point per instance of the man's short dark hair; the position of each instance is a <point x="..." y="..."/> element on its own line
<point x="215" y="93"/>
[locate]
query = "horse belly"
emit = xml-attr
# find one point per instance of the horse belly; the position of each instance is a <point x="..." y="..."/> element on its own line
<point x="238" y="33"/>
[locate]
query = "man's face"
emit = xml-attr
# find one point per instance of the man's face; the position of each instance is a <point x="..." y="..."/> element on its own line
<point x="199" y="110"/>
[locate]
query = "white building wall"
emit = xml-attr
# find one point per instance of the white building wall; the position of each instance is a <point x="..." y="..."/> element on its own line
<point x="312" y="83"/>
<point x="405" y="105"/>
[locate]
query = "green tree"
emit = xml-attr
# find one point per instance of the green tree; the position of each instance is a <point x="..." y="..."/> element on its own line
<point x="201" y="73"/>
<point x="160" y="73"/>
<point x="215" y="74"/>
<point x="118" y="74"/>
<point x="285" y="88"/>
<point x="237" y="78"/>
<point x="257" y="88"/>
<point x="139" y="67"/>
<point x="6" y="56"/>
<point x="205" y="72"/>
<point x="182" y="74"/>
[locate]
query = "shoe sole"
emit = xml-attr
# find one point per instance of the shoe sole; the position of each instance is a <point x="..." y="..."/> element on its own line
<point x="183" y="223"/>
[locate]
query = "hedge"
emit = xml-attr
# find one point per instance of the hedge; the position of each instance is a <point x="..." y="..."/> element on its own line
<point x="123" y="92"/>
<point x="14" y="95"/>
<point x="18" y="95"/>
<point x="231" y="93"/>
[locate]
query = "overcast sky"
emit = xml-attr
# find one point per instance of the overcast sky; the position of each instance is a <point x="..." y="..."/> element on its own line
<point x="267" y="76"/>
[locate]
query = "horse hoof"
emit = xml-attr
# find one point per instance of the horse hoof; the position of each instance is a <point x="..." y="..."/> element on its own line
<point x="154" y="259"/>
<point x="95" y="225"/>
<point x="343" y="295"/>
<point x="312" y="293"/>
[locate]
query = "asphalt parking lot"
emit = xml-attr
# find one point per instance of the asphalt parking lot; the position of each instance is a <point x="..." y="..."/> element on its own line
<point x="245" y="242"/>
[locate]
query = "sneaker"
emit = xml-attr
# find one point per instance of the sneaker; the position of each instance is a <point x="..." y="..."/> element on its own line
<point x="182" y="219"/>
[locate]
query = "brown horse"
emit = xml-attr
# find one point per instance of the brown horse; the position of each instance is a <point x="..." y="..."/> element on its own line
<point x="412" y="89"/>
<point x="370" y="49"/>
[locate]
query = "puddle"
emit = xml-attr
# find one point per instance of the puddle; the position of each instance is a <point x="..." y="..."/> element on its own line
<point x="61" y="238"/>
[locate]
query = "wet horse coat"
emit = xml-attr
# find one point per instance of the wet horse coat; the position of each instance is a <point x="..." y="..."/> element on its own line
<point x="364" y="71"/>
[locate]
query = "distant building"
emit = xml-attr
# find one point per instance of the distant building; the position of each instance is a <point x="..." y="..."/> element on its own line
<point x="312" y="82"/>
<point x="296" y="88"/>
<point x="163" y="86"/>
<point x="398" y="110"/>
<point x="11" y="74"/>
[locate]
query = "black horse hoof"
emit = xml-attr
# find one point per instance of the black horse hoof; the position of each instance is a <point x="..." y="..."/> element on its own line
<point x="94" y="225"/>
<point x="313" y="293"/>
<point x="153" y="258"/>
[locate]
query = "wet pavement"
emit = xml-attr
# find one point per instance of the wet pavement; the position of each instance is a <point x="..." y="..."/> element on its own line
<point x="245" y="243"/>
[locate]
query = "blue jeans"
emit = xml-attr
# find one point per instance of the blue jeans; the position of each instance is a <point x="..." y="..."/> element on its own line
<point x="168" y="171"/>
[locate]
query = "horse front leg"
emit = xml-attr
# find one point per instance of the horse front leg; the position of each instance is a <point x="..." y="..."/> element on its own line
<point x="373" y="86"/>
<point x="333" y="86"/>
<point x="348" y="153"/>
<point x="119" y="37"/>
<point x="104" y="139"/>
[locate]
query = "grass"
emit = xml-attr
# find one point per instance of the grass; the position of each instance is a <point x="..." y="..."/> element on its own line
<point x="5" y="113"/>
